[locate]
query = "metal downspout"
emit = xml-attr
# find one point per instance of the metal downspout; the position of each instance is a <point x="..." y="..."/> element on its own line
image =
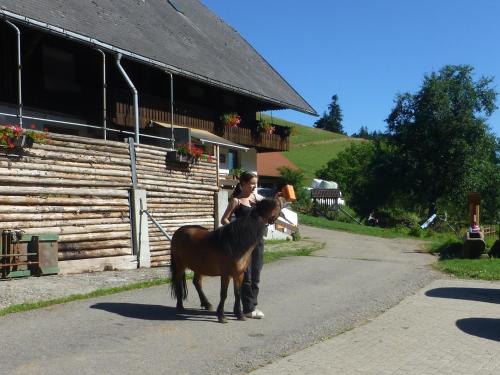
<point x="172" y="137"/>
<point x="19" y="70"/>
<point x="136" y="97"/>
<point x="104" y="115"/>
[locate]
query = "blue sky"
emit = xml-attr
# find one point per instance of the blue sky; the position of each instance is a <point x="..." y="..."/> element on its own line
<point x="366" y="51"/>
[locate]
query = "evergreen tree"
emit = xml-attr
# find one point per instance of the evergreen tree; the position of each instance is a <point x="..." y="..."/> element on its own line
<point x="331" y="121"/>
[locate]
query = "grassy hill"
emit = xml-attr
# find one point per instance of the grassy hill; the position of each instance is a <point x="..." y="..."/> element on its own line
<point x="311" y="148"/>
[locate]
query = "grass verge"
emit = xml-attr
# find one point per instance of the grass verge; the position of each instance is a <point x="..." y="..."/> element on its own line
<point x="479" y="269"/>
<point x="75" y="297"/>
<point x="446" y="245"/>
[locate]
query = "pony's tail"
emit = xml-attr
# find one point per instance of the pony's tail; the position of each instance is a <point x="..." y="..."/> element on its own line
<point x="178" y="287"/>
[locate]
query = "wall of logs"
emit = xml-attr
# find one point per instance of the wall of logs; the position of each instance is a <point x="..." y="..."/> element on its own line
<point x="177" y="194"/>
<point x="79" y="188"/>
<point x="75" y="187"/>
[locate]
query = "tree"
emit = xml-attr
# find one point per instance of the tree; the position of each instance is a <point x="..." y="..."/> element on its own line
<point x="364" y="172"/>
<point x="331" y="121"/>
<point x="441" y="136"/>
<point x="363" y="133"/>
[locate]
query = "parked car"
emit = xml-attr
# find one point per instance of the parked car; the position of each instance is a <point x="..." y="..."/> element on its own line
<point x="266" y="192"/>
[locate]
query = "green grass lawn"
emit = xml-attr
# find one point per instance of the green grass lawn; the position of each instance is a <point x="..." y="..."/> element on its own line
<point x="311" y="157"/>
<point x="482" y="269"/>
<point x="311" y="148"/>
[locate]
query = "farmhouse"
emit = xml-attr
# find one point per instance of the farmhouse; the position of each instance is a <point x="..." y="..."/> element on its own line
<point x="122" y="89"/>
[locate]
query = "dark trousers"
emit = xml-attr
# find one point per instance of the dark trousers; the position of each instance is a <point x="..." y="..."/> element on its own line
<point x="251" y="279"/>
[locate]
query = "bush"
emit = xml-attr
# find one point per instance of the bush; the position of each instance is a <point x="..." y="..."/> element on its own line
<point x="416" y="231"/>
<point x="449" y="249"/>
<point x="398" y="218"/>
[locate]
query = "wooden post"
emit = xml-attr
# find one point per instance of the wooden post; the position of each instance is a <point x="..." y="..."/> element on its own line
<point x="140" y="229"/>
<point x="474" y="201"/>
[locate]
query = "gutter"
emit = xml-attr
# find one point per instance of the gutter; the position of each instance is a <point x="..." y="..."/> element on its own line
<point x="19" y="74"/>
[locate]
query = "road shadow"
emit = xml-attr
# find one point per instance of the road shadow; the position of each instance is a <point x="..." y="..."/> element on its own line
<point x="155" y="312"/>
<point x="470" y="294"/>
<point x="486" y="328"/>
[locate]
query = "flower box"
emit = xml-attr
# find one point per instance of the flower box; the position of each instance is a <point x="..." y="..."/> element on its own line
<point x="15" y="138"/>
<point x="175" y="156"/>
<point x="22" y="141"/>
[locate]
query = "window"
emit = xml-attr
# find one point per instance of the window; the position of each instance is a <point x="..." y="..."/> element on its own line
<point x="232" y="159"/>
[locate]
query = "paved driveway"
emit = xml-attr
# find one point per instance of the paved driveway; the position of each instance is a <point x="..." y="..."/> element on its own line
<point x="306" y="299"/>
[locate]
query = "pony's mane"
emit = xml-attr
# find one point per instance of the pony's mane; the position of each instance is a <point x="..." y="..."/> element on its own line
<point x="236" y="237"/>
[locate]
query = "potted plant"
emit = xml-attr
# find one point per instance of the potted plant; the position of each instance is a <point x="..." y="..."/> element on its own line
<point x="231" y="120"/>
<point x="185" y="153"/>
<point x="284" y="130"/>
<point x="15" y="137"/>
<point x="265" y="127"/>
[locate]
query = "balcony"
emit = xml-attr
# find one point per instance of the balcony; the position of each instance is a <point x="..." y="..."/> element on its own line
<point x="198" y="118"/>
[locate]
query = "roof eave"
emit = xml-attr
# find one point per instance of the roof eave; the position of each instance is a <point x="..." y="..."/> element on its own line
<point x="30" y="22"/>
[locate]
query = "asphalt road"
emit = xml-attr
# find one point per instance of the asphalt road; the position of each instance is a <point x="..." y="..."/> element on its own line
<point x="306" y="299"/>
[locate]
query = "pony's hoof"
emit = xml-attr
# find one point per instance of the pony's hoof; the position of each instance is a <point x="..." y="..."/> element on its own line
<point x="180" y="309"/>
<point x="208" y="307"/>
<point x="222" y="319"/>
<point x="242" y="318"/>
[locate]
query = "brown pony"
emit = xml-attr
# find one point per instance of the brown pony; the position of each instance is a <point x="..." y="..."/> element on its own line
<point x="224" y="252"/>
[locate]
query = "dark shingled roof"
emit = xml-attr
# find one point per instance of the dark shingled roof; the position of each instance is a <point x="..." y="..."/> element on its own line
<point x="195" y="43"/>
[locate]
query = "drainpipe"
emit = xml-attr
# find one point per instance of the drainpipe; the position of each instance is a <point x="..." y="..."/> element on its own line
<point x="104" y="124"/>
<point x="136" y="98"/>
<point x="19" y="70"/>
<point x="172" y="137"/>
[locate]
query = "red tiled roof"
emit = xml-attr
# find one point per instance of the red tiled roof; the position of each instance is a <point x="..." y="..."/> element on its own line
<point x="269" y="162"/>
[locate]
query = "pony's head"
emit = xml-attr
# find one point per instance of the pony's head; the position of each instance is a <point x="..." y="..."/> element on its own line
<point x="269" y="209"/>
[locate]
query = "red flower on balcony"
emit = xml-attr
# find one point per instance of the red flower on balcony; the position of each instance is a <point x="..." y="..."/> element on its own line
<point x="231" y="120"/>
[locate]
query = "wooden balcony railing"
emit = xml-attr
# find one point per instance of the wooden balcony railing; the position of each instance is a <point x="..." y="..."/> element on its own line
<point x="124" y="115"/>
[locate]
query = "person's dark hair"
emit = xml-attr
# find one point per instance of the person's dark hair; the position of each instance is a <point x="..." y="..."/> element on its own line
<point x="244" y="178"/>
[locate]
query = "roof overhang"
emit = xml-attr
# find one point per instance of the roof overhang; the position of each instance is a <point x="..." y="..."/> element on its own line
<point x="93" y="42"/>
<point x="205" y="137"/>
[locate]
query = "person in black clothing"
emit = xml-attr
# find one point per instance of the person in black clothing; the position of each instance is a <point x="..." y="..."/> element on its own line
<point x="241" y="202"/>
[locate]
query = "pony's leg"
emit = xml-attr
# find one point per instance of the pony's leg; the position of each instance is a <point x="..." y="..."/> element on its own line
<point x="237" y="281"/>
<point x="179" y="285"/>
<point x="203" y="298"/>
<point x="224" y="283"/>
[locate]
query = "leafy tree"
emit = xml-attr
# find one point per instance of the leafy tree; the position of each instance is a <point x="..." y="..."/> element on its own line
<point x="440" y="134"/>
<point x="331" y="121"/>
<point x="294" y="177"/>
<point x="364" y="172"/>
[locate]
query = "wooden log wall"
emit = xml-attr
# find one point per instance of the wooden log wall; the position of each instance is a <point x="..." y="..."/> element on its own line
<point x="76" y="187"/>
<point x="177" y="195"/>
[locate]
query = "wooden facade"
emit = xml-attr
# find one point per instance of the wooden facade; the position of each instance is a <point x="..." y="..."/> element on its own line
<point x="79" y="185"/>
<point x="79" y="188"/>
